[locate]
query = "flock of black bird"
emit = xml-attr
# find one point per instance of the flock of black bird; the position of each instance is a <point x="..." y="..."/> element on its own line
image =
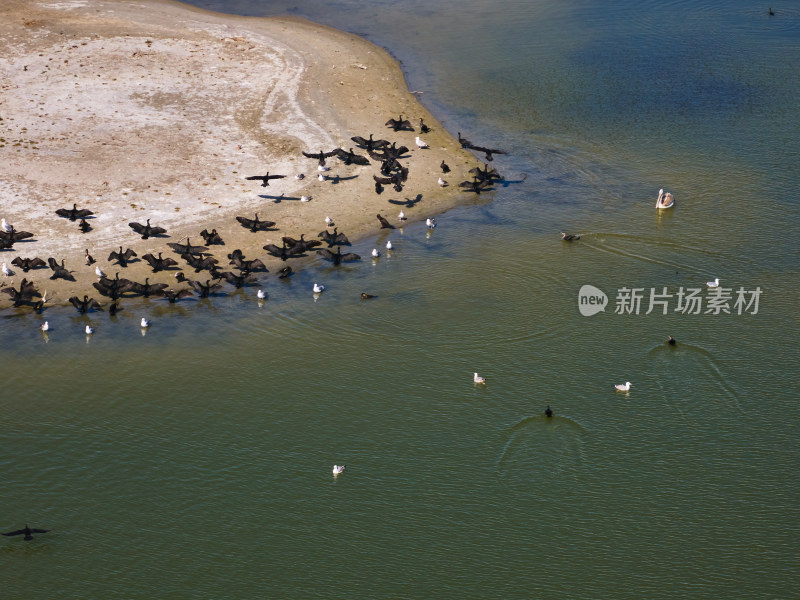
<point x="242" y="271"/>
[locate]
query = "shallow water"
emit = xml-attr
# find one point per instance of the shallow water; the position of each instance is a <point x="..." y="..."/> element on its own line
<point x="196" y="460"/>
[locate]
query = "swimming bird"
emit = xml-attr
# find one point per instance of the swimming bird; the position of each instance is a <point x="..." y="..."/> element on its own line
<point x="445" y="167"/>
<point x="85" y="305"/>
<point x="421" y="143"/>
<point x="261" y="295"/>
<point x="389" y="244"/>
<point x="548" y="412"/>
<point x="27" y="531"/>
<point x="5" y="226"/>
<point x="89" y="259"/>
<point x="465" y="143"/>
<point x="350" y="157"/>
<point x="431" y="223"/>
<point x="366" y="296"/>
<point x="186" y="248"/>
<point x="665" y="200"/>
<point x="59" y="271"/>
<point x="337" y="257"/>
<point x="26" y="264"/>
<point x="285" y="272"/>
<point x="478" y="379"/>
<point x="73" y="214"/>
<point x="671" y="341"/>
<point x="89" y="330"/>
<point x="384" y="223"/>
<point x="44" y="327"/>
<point x="146" y="230"/>
<point x="568" y="237"/>
<point x="713" y="284"/>
<point x="264" y="179"/>
<point x="318" y="288"/>
<point x="211" y="237"/>
<point x="486" y="173"/>
<point x="159" y="263"/>
<point x="771" y="12"/>
<point x="333" y="238"/>
<point x="399" y="123"/>
<point x="401" y="215"/>
<point x="114" y="308"/>
<point x="423" y="128"/>
<point x="144" y="323"/>
<point x="255" y="224"/>
<point x="122" y="258"/>
<point x="623" y="387"/>
<point x="375" y="253"/>
<point x="84" y="226"/>
<point x="339" y="469"/>
<point x="6" y="271"/>
<point x="174" y="296"/>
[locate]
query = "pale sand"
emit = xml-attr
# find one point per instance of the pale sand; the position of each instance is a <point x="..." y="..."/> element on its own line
<point x="157" y="110"/>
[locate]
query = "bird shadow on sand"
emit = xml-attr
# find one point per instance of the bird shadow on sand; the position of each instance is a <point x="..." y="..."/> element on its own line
<point x="279" y="198"/>
<point x="408" y="202"/>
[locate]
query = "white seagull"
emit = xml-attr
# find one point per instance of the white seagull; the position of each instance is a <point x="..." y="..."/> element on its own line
<point x="375" y="253"/>
<point x="339" y="469"/>
<point x="300" y="176"/>
<point x="713" y="284"/>
<point x="389" y="245"/>
<point x="431" y="223"/>
<point x="6" y="271"/>
<point x="402" y="216"/>
<point x="144" y="323"/>
<point x="421" y="143"/>
<point x="89" y="330"/>
<point x="5" y="226"/>
<point x="321" y="177"/>
<point x="262" y="295"/>
<point x="442" y="182"/>
<point x="323" y="168"/>
<point x="623" y="387"/>
<point x="99" y="272"/>
<point x="45" y="326"/>
<point x="478" y="379"/>
<point x="329" y="221"/>
<point x="305" y="198"/>
<point x="318" y="289"/>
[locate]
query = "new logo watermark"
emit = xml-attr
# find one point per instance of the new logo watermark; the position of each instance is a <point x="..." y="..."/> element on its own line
<point x="685" y="300"/>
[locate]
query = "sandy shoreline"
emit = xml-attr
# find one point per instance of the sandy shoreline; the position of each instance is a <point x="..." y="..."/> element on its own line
<point x="157" y="110"/>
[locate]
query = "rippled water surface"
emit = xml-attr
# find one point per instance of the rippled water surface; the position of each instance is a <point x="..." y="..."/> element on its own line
<point x="195" y="460"/>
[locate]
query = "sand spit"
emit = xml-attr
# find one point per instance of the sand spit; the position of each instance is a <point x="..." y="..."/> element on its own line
<point x="140" y="110"/>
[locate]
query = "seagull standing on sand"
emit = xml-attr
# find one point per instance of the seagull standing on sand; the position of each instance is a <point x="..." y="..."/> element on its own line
<point x="6" y="271"/>
<point x="478" y="379"/>
<point x="99" y="272"/>
<point x="442" y="182"/>
<point x="623" y="387"/>
<point x="329" y="222"/>
<point x="5" y="226"/>
<point x="305" y="198"/>
<point x="713" y="284"/>
<point x="339" y="469"/>
<point x="402" y="216"/>
<point x="421" y="143"/>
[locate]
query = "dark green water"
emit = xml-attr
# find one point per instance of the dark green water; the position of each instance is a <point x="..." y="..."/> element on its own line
<point x="195" y="461"/>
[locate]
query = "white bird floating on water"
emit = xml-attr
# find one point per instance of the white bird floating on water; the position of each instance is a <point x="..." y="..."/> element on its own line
<point x="339" y="469"/>
<point x="375" y="253"/>
<point x="45" y="326"/>
<point x="431" y="223"/>
<point x="305" y="198"/>
<point x="389" y="245"/>
<point x="262" y="295"/>
<point x="402" y="216"/>
<point x="99" y="272"/>
<point x="478" y="379"/>
<point x="89" y="330"/>
<point x="713" y="284"/>
<point x="6" y="271"/>
<point x="664" y="200"/>
<point x="145" y="323"/>
<point x="318" y="289"/>
<point x="5" y="226"/>
<point x="421" y="143"/>
<point x="623" y="387"/>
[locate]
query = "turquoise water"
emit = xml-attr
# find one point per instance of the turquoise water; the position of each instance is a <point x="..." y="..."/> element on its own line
<point x="195" y="461"/>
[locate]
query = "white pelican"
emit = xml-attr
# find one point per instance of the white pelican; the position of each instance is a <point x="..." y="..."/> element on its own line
<point x="99" y="272"/>
<point x="421" y="143"/>
<point x="375" y="253"/>
<point x="339" y="469"/>
<point x="144" y="323"/>
<point x="45" y="326"/>
<point x="623" y="387"/>
<point x="262" y="295"/>
<point x="89" y="330"/>
<point x="318" y="289"/>
<point x="389" y="245"/>
<point x="665" y="200"/>
<point x="478" y="379"/>
<point x="6" y="271"/>
<point x="713" y="284"/>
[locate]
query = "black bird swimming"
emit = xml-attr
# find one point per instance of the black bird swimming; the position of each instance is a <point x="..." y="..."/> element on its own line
<point x="255" y="224"/>
<point x="302" y="244"/>
<point x="369" y="144"/>
<point x="422" y="127"/>
<point x="445" y="167"/>
<point x="25" y="294"/>
<point x="264" y="179"/>
<point x="14" y="236"/>
<point x="147" y="230"/>
<point x="89" y="259"/>
<point x="27" y="531"/>
<point x="122" y="258"/>
<point x="205" y="289"/>
<point x="84" y="226"/>
<point x="384" y="223"/>
<point x="465" y="143"/>
<point x="174" y="296"/>
<point x="158" y="263"/>
<point x="285" y="272"/>
<point x="548" y="412"/>
<point x="26" y="264"/>
<point x="333" y="238"/>
<point x="400" y="123"/>
<point x="186" y="248"/>
<point x="351" y="158"/>
<point x="239" y="280"/>
<point x="211" y="237"/>
<point x="321" y="155"/>
<point x="490" y="152"/>
<point x="284" y="252"/>
<point x="146" y="289"/>
<point x="569" y="237"/>
<point x="114" y="308"/>
<point x="59" y="271"/>
<point x="73" y="214"/>
<point x="671" y="341"/>
<point x="475" y="185"/>
<point x="198" y="263"/>
<point x="486" y="173"/>
<point x="337" y="257"/>
<point x="366" y="296"/>
<point x="85" y="305"/>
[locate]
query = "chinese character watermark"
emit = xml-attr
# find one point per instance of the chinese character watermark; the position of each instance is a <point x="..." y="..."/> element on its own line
<point x="689" y="301"/>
